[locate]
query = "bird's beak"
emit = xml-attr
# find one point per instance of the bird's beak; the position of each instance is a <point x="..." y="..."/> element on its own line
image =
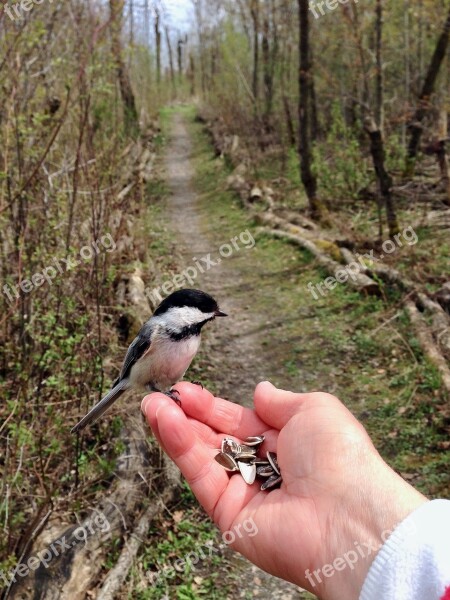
<point x="219" y="313"/>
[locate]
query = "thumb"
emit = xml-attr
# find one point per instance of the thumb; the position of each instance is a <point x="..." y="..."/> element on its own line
<point x="276" y="407"/>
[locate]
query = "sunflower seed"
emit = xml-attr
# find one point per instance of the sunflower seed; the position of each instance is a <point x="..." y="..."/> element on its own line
<point x="272" y="458"/>
<point x="256" y="440"/>
<point x="248" y="472"/>
<point x="245" y="457"/>
<point x="248" y="449"/>
<point x="265" y="471"/>
<point x="271" y="482"/>
<point x="226" y="461"/>
<point x="229" y="446"/>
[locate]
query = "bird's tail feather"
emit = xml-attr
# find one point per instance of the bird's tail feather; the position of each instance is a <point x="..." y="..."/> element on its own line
<point x="102" y="406"/>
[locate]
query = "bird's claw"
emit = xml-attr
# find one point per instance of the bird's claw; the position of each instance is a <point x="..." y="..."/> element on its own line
<point x="174" y="395"/>
<point x="198" y="383"/>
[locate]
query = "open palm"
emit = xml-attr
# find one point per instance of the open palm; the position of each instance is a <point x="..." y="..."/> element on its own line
<point x="331" y="474"/>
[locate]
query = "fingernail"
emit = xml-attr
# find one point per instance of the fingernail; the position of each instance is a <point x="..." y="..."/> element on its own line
<point x="267" y="383"/>
<point x="157" y="411"/>
<point x="144" y="405"/>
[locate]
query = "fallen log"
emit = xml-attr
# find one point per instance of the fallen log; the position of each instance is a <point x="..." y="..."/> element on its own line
<point x="305" y="228"/>
<point x="384" y="272"/>
<point x="441" y="320"/>
<point x="428" y="345"/>
<point x="297" y="219"/>
<point x="274" y="222"/>
<point x="356" y="279"/>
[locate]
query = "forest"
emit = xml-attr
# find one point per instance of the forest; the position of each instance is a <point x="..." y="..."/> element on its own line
<point x="304" y="145"/>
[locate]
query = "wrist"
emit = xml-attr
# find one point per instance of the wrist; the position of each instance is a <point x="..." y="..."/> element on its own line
<point x="376" y="509"/>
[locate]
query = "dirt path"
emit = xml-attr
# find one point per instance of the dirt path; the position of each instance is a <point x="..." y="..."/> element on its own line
<point x="234" y="346"/>
<point x="234" y="340"/>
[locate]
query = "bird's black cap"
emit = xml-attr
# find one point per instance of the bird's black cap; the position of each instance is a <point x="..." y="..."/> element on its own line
<point x="193" y="298"/>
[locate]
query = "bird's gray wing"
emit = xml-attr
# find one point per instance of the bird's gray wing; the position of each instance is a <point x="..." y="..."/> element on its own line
<point x="137" y="348"/>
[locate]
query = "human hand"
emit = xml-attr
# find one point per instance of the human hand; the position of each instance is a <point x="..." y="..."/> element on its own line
<point x="336" y="492"/>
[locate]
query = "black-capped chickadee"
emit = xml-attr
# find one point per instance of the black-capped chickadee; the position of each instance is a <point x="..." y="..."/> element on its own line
<point x="163" y="349"/>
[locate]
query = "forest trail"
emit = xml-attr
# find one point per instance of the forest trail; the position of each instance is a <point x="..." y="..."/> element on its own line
<point x="234" y="345"/>
<point x="194" y="242"/>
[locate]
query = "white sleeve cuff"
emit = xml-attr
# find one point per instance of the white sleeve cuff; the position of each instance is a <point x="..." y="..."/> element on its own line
<point x="414" y="563"/>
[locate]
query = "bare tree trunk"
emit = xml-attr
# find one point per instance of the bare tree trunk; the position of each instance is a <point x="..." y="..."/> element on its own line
<point x="270" y="32"/>
<point x="442" y="154"/>
<point x="131" y="22"/>
<point x="254" y="9"/>
<point x="146" y="23"/>
<point x="379" y="82"/>
<point x="285" y="79"/>
<point x="192" y="73"/>
<point x="214" y="61"/>
<point x="201" y="39"/>
<point x="384" y="179"/>
<point x="289" y="121"/>
<point x="180" y="58"/>
<point x="425" y="95"/>
<point x="444" y="166"/>
<point x="171" y="65"/>
<point x="158" y="48"/>
<point x="420" y="39"/>
<point x="407" y="55"/>
<point x="315" y="127"/>
<point x="267" y="68"/>
<point x="131" y="115"/>
<point x="308" y="178"/>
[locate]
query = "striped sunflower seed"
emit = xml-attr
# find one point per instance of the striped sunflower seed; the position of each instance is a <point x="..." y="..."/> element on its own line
<point x="271" y="482"/>
<point x="265" y="471"/>
<point x="226" y="461"/>
<point x="272" y="458"/>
